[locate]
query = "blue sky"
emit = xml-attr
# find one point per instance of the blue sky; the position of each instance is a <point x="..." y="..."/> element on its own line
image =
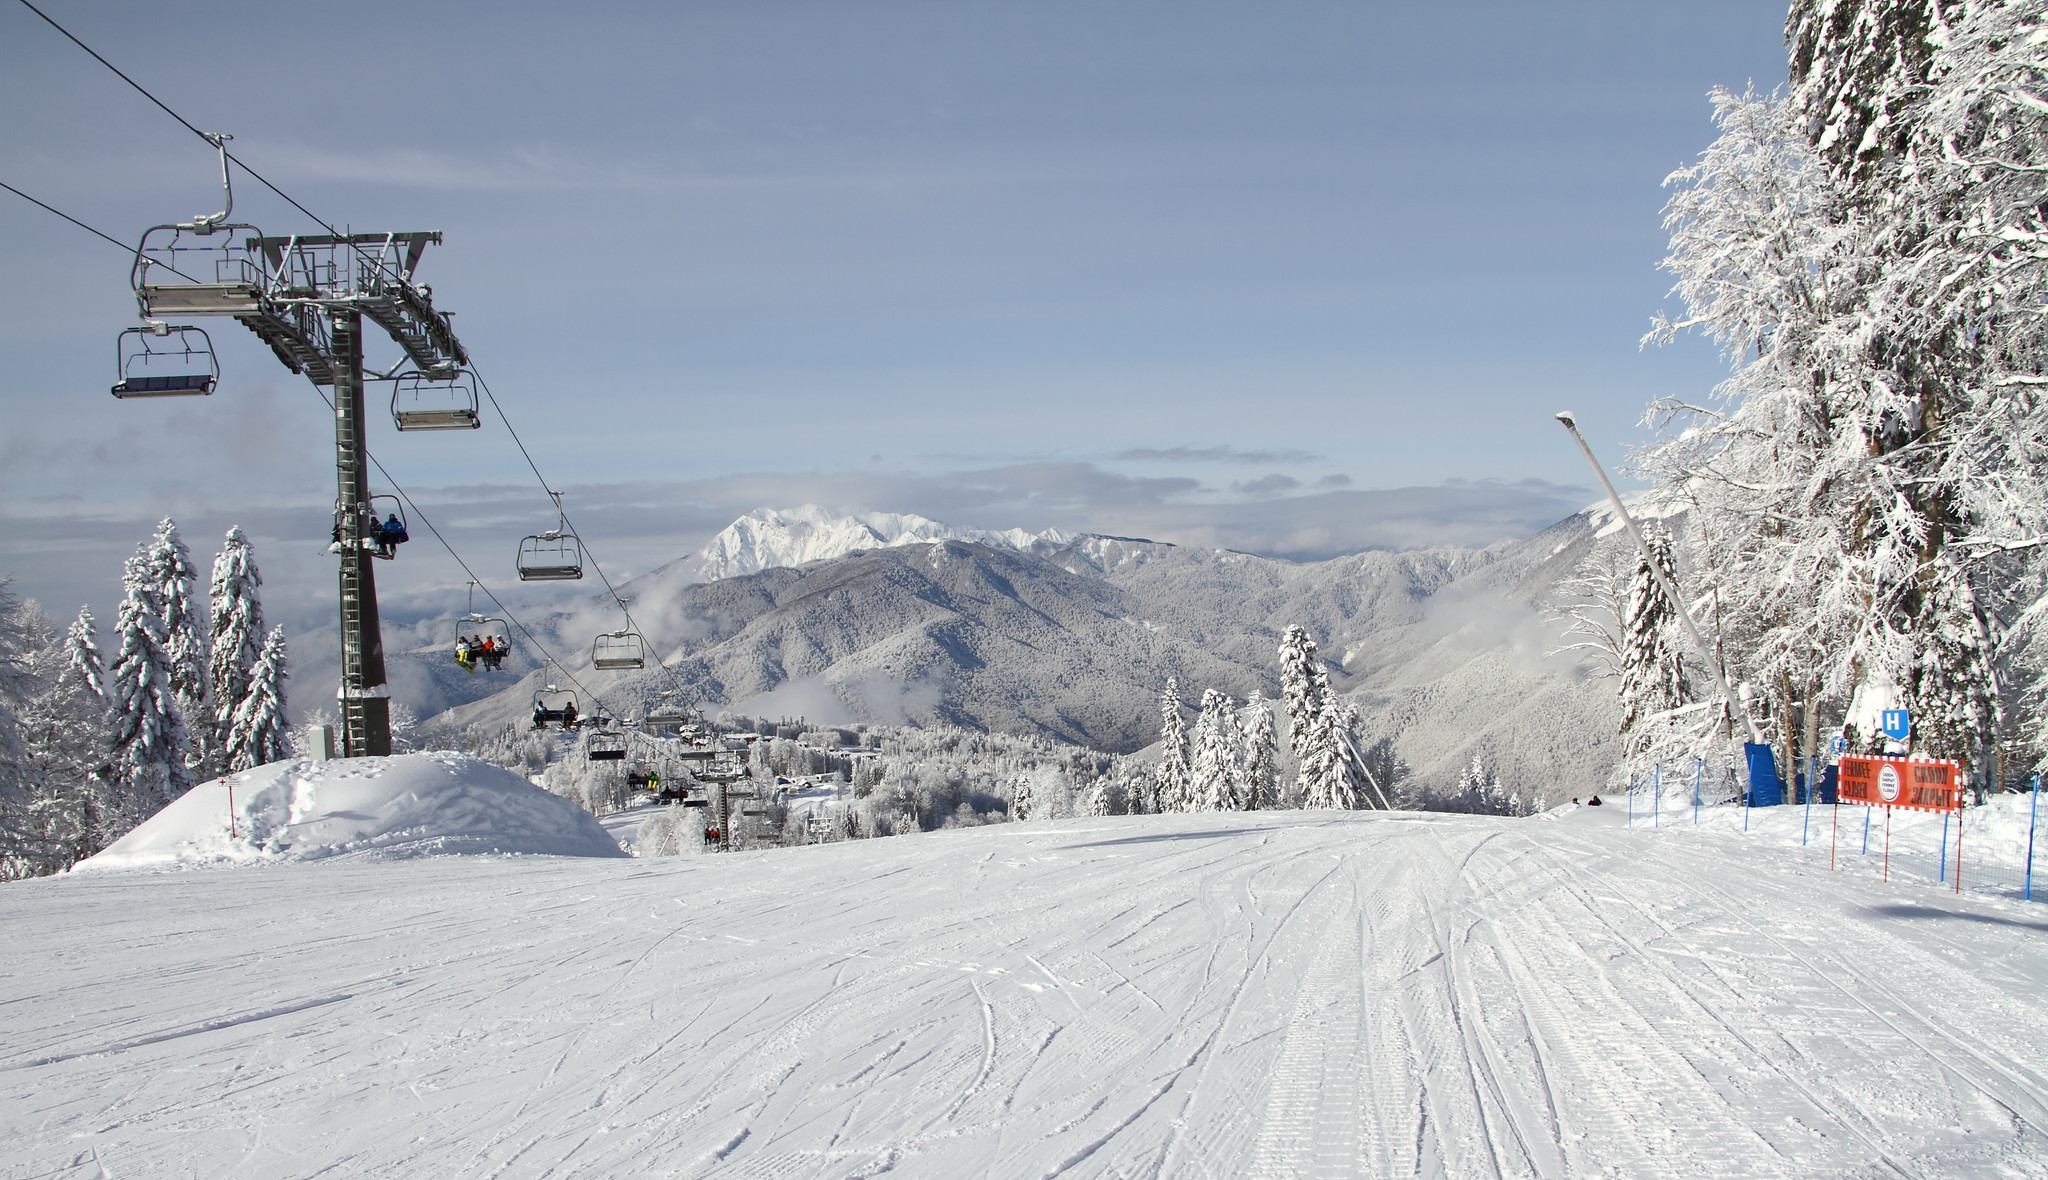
<point x="1294" y="277"/>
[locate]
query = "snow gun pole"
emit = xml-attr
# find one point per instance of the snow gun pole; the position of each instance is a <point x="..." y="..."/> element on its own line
<point x="1692" y="630"/>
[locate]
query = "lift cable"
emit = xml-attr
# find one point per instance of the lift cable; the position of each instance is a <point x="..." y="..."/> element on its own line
<point x="413" y="510"/>
<point x="125" y="247"/>
<point x="211" y="140"/>
<point x="675" y="682"/>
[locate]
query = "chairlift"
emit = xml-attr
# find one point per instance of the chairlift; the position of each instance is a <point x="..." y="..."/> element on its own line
<point x="197" y="267"/>
<point x="487" y="627"/>
<point x="553" y="556"/>
<point x="551" y="706"/>
<point x="165" y="360"/>
<point x="617" y="650"/>
<point x="604" y="746"/>
<point x="373" y="524"/>
<point x="424" y="401"/>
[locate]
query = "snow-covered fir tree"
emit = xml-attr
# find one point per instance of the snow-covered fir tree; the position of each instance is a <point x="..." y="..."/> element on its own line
<point x="1304" y="687"/>
<point x="1174" y="786"/>
<point x="1653" y="675"/>
<point x="1316" y="727"/>
<point x="1261" y="753"/>
<point x="19" y="851"/>
<point x="175" y="583"/>
<point x="1217" y="756"/>
<point x="144" y="728"/>
<point x="73" y="812"/>
<point x="258" y="733"/>
<point x="237" y="626"/>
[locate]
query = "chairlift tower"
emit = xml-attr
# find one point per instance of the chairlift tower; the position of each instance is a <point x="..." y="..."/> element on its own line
<point x="306" y="296"/>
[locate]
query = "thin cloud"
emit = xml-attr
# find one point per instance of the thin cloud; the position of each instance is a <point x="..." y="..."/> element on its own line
<point x="1213" y="455"/>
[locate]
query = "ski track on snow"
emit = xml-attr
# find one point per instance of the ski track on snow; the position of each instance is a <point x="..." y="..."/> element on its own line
<point x="1277" y="995"/>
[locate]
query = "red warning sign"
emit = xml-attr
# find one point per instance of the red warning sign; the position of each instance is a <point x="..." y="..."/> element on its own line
<point x="1923" y="784"/>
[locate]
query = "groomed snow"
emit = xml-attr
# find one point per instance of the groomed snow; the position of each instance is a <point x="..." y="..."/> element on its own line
<point x="1265" y="995"/>
<point x="388" y="808"/>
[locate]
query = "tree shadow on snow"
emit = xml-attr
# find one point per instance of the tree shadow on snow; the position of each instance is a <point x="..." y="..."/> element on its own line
<point x="1921" y="911"/>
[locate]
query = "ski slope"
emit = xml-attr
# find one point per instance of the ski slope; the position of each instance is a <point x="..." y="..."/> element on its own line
<point x="1266" y="995"/>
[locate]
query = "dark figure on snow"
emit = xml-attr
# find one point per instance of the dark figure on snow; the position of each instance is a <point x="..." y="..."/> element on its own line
<point x="1593" y="802"/>
<point x="390" y="535"/>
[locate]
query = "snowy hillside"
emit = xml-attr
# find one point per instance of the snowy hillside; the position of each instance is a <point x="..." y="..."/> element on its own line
<point x="1442" y="649"/>
<point x="1265" y="995"/>
<point x="389" y="808"/>
<point x="767" y="538"/>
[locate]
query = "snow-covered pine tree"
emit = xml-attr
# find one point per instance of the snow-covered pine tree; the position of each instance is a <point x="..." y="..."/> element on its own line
<point x="258" y="733"/>
<point x="1261" y="770"/>
<point x="21" y="854"/>
<point x="237" y="627"/>
<point x="1326" y="779"/>
<point x="1653" y="674"/>
<point x="145" y="729"/>
<point x="1175" y="783"/>
<point x="1304" y="687"/>
<point x="175" y="581"/>
<point x="72" y="806"/>
<point x="1218" y="758"/>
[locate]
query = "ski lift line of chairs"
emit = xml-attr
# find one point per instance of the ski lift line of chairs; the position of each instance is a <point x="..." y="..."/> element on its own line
<point x="165" y="360"/>
<point x="618" y="650"/>
<point x="423" y="401"/>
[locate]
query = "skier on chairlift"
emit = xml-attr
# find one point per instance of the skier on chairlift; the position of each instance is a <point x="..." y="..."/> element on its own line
<point x="390" y="535"/>
<point x="465" y="655"/>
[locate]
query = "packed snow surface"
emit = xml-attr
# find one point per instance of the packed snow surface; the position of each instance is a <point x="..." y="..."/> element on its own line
<point x="1266" y="995"/>
<point x="408" y="805"/>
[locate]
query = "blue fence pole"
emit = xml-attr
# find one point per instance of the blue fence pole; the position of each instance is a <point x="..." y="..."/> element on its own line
<point x="1806" y="821"/>
<point x="1943" y="874"/>
<point x="1699" y="766"/>
<point x="2033" y="809"/>
<point x="1866" y="832"/>
<point x="1657" y="795"/>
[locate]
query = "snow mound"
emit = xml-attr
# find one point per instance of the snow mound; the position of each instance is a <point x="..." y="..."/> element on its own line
<point x="407" y="806"/>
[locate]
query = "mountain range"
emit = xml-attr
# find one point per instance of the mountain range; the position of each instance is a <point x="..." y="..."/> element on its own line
<point x="891" y="620"/>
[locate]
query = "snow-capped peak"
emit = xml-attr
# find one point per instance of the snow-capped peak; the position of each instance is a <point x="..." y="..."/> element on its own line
<point x="769" y="537"/>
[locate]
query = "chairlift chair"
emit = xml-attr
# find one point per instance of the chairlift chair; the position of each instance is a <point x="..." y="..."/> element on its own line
<point x="604" y="746"/>
<point x="165" y="360"/>
<point x="553" y="556"/>
<point x="423" y="401"/>
<point x="552" y="706"/>
<point x="375" y="522"/>
<point x="617" y="650"/>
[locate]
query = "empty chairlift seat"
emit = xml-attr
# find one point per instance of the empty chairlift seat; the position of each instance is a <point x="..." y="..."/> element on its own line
<point x="423" y="402"/>
<point x="605" y="746"/>
<point x="617" y="650"/>
<point x="165" y="361"/>
<point x="553" y="556"/>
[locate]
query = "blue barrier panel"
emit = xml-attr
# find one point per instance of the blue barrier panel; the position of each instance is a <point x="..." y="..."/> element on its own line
<point x="1766" y="789"/>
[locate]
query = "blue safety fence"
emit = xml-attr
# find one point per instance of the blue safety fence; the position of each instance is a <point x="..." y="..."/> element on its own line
<point x="1996" y="844"/>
